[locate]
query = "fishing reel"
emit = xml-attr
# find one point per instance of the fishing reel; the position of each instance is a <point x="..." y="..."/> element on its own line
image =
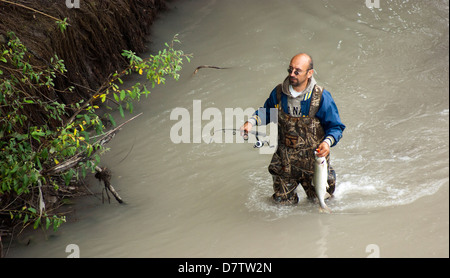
<point x="259" y="143"/>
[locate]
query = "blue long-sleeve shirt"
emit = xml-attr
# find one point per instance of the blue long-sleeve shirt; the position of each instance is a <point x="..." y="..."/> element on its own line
<point x="327" y="114"/>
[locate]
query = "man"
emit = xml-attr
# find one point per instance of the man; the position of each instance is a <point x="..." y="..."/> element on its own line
<point x="308" y="122"/>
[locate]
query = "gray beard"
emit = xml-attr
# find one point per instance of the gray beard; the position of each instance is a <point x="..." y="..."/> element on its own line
<point x="287" y="82"/>
<point x="294" y="83"/>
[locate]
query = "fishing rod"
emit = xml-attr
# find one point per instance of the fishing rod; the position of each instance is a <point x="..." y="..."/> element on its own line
<point x="258" y="144"/>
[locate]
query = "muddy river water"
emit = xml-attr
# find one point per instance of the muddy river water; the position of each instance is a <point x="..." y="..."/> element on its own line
<point x="386" y="64"/>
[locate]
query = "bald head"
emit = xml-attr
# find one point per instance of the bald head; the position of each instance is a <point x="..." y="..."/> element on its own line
<point x="303" y="59"/>
<point x="300" y="71"/>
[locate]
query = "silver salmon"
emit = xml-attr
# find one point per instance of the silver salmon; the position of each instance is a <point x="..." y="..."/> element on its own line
<point x="320" y="182"/>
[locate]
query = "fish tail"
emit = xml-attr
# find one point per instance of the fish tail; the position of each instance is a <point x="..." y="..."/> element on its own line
<point x="324" y="209"/>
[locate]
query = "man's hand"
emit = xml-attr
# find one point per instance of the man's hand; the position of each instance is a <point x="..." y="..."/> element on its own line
<point x="245" y="129"/>
<point x="323" y="149"/>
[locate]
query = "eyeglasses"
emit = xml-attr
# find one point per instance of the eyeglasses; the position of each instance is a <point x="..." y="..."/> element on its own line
<point x="297" y="71"/>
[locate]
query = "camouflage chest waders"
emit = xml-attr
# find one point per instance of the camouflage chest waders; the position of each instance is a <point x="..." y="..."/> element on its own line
<point x="293" y="162"/>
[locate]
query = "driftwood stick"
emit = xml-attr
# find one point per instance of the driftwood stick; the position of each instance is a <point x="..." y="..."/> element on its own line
<point x="82" y="156"/>
<point x="206" y="67"/>
<point x="104" y="175"/>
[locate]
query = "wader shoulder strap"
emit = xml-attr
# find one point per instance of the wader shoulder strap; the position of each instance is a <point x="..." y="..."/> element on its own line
<point x="315" y="100"/>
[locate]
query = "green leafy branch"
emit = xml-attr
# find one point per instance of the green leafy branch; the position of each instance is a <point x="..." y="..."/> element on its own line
<point x="31" y="152"/>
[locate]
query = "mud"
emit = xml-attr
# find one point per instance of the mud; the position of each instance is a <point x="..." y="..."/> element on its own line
<point x="91" y="48"/>
<point x="92" y="44"/>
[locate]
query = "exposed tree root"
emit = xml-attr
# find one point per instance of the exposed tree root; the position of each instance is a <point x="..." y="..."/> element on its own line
<point x="104" y="174"/>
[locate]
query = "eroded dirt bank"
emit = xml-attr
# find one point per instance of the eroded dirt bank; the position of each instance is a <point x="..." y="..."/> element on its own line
<point x="92" y="44"/>
<point x="91" y="48"/>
